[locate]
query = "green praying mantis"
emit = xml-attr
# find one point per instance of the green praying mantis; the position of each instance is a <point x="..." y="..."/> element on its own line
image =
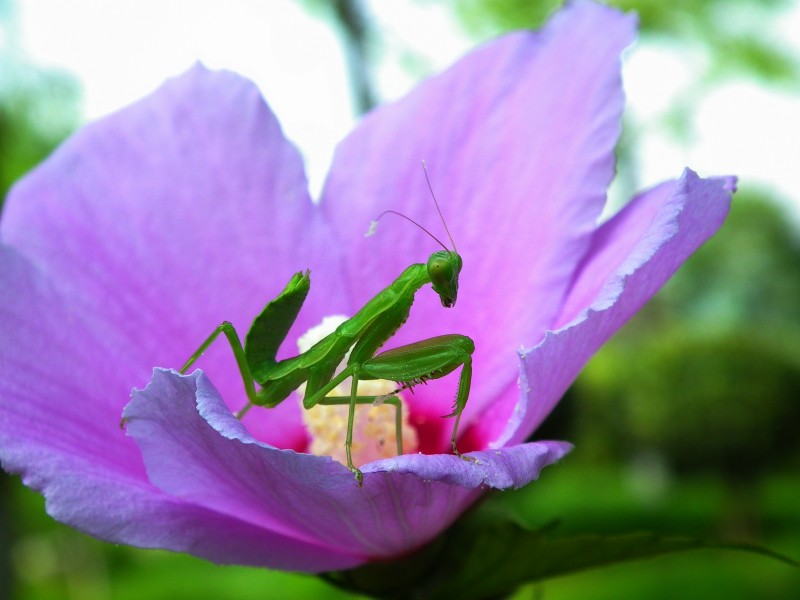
<point x="362" y="335"/>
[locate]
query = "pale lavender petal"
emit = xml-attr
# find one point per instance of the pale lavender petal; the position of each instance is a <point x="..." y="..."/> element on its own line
<point x="54" y="396"/>
<point x="159" y="222"/>
<point x="60" y="432"/>
<point x="127" y="512"/>
<point x="503" y="468"/>
<point x="519" y="139"/>
<point x="195" y="450"/>
<point x="122" y="251"/>
<point x="631" y="257"/>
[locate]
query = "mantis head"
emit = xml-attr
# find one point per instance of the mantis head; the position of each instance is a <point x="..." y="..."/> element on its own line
<point x="443" y="269"/>
<point x="443" y="266"/>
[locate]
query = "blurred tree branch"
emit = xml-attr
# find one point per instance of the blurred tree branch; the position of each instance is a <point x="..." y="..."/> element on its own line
<point x="354" y="26"/>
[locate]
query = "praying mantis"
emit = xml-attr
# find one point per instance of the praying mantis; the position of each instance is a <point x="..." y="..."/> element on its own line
<point x="362" y="335"/>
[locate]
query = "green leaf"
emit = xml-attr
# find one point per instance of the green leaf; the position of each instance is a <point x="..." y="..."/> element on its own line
<point x="487" y="556"/>
<point x="505" y="556"/>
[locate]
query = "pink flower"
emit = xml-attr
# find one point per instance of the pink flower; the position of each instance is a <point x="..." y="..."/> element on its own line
<point x="148" y="228"/>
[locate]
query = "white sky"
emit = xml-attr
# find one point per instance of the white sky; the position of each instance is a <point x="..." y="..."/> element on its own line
<point x="123" y="49"/>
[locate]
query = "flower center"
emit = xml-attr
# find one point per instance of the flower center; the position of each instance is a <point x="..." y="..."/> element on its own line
<point x="374" y="426"/>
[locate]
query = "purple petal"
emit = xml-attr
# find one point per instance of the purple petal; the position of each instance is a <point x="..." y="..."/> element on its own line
<point x="59" y="429"/>
<point x="55" y="400"/>
<point x="161" y="221"/>
<point x="123" y="250"/>
<point x="631" y="257"/>
<point x="510" y="467"/>
<point x="195" y="450"/>
<point x="519" y="139"/>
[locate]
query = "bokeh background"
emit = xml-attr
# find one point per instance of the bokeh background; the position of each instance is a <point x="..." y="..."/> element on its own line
<point x="686" y="422"/>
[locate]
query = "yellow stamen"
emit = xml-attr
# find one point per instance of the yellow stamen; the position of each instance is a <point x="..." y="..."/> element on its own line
<point x="374" y="431"/>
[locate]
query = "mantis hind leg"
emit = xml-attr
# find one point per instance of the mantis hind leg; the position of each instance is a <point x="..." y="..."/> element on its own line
<point x="462" y="395"/>
<point x="241" y="361"/>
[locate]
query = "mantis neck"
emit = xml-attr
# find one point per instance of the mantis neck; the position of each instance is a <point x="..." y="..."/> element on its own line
<point x="411" y="279"/>
<point x="404" y="287"/>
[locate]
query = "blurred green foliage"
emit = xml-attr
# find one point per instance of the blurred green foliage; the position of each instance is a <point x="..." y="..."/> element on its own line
<point x="747" y="275"/>
<point x="490" y="17"/>
<point x="708" y="374"/>
<point x="721" y="39"/>
<point x="577" y="496"/>
<point x="732" y="31"/>
<point x="38" y="109"/>
<point x="350" y="19"/>
<point x="721" y="403"/>
<point x="38" y="106"/>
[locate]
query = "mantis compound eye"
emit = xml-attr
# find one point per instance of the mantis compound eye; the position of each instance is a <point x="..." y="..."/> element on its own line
<point x="443" y="269"/>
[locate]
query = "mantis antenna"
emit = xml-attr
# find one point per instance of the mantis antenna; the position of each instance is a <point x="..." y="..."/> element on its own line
<point x="439" y="210"/>
<point x="374" y="224"/>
